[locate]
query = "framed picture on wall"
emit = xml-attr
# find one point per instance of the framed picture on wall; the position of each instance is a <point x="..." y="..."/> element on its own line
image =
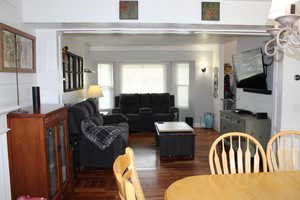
<point x="211" y="11"/>
<point x="17" y="50"/>
<point x="9" y="51"/>
<point x="25" y="52"/>
<point x="128" y="10"/>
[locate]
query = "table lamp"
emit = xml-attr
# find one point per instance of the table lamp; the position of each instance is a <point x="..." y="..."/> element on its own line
<point x="95" y="91"/>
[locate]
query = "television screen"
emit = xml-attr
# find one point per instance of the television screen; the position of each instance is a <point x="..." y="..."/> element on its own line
<point x="248" y="63"/>
<point x="249" y="69"/>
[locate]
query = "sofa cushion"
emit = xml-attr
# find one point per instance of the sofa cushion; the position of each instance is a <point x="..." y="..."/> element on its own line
<point x="129" y="103"/>
<point x="160" y="103"/>
<point x="145" y="100"/>
<point x="133" y="117"/>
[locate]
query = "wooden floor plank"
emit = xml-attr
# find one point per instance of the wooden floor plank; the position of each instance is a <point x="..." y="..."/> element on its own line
<point x="155" y="175"/>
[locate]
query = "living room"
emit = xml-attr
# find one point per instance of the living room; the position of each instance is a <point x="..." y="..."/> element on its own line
<point x="164" y="42"/>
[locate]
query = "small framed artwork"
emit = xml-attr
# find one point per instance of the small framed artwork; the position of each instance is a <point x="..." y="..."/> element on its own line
<point x="129" y="10"/>
<point x="17" y="50"/>
<point x="9" y="53"/>
<point x="25" y="53"/>
<point x="211" y="11"/>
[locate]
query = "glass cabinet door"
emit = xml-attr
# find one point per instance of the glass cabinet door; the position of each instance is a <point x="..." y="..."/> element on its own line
<point x="52" y="161"/>
<point x="63" y="151"/>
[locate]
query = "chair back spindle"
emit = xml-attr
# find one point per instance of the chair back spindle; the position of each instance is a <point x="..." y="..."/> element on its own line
<point x="283" y="151"/>
<point x="239" y="154"/>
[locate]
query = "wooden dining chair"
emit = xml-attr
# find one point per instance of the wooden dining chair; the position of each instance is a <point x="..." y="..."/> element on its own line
<point x="235" y="152"/>
<point x="130" y="192"/>
<point x="124" y="168"/>
<point x="283" y="151"/>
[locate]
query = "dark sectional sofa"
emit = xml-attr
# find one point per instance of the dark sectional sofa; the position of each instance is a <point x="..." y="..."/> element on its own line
<point x="142" y="110"/>
<point x="86" y="153"/>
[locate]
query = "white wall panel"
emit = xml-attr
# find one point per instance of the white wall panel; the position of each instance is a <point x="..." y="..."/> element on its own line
<point x="5" y="190"/>
<point x="154" y="11"/>
<point x="11" y="14"/>
<point x="48" y="71"/>
<point x="290" y="105"/>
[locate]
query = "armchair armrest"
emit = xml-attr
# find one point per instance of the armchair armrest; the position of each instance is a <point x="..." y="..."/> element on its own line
<point x="116" y="110"/>
<point x="145" y="110"/>
<point x="175" y="112"/>
<point x="114" y="118"/>
<point x="174" y="109"/>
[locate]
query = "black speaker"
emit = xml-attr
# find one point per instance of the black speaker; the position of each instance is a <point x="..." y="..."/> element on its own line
<point x="36" y="99"/>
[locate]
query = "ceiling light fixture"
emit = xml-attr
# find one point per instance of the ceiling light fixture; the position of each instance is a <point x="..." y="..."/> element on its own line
<point x="286" y="33"/>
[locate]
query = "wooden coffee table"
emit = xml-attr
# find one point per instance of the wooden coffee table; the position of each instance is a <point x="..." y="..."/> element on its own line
<point x="175" y="140"/>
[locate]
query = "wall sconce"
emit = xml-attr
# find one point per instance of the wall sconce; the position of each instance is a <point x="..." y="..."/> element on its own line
<point x="203" y="69"/>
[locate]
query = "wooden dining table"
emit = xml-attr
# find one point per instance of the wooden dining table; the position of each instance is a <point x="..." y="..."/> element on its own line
<point x="262" y="186"/>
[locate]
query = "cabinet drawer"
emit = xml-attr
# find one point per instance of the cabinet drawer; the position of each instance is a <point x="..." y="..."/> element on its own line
<point x="240" y="123"/>
<point x="225" y="127"/>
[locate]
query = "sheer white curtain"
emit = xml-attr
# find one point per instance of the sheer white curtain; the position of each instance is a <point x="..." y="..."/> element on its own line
<point x="182" y="84"/>
<point x="105" y="80"/>
<point x="143" y="78"/>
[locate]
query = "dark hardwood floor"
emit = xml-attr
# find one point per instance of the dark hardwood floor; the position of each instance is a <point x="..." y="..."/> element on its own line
<point x="155" y="175"/>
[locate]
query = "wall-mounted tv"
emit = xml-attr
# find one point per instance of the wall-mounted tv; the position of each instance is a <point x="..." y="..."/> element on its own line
<point x="250" y="71"/>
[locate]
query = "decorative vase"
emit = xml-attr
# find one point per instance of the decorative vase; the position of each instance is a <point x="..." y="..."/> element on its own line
<point x="209" y="120"/>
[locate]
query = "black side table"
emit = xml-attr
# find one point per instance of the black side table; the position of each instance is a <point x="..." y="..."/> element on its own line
<point x="190" y="121"/>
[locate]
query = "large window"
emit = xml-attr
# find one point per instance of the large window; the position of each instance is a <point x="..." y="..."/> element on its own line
<point x="182" y="81"/>
<point x="105" y="80"/>
<point x="143" y="78"/>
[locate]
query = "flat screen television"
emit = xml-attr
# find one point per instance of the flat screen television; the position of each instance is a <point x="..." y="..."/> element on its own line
<point x="250" y="71"/>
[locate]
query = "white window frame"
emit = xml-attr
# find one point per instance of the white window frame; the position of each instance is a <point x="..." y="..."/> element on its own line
<point x="176" y="85"/>
<point x="110" y="87"/>
<point x="165" y="89"/>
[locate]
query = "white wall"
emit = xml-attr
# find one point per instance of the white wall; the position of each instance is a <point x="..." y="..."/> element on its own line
<point x="10" y="14"/>
<point x="290" y="93"/>
<point x="201" y="88"/>
<point x="79" y="48"/>
<point x="49" y="71"/>
<point x="230" y="48"/>
<point x="218" y="62"/>
<point x="233" y="12"/>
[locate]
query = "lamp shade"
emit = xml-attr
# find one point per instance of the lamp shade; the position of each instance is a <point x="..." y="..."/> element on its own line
<point x="281" y="8"/>
<point x="95" y="91"/>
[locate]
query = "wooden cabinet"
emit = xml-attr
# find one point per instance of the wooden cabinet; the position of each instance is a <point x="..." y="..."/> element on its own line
<point x="245" y="123"/>
<point x="39" y="153"/>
